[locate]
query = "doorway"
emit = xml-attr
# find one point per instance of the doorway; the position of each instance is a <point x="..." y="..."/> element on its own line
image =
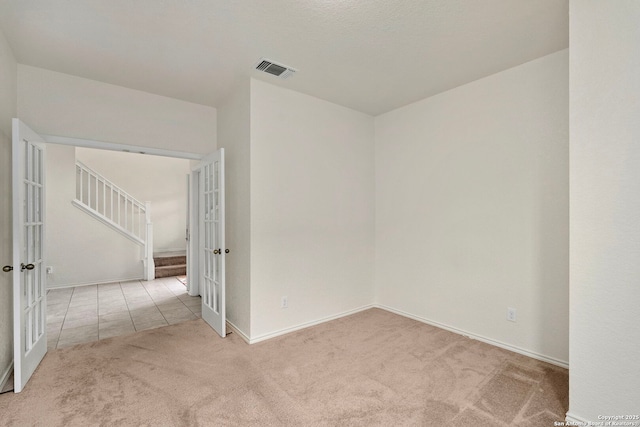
<point x="94" y="274"/>
<point x="25" y="330"/>
<point x="92" y="238"/>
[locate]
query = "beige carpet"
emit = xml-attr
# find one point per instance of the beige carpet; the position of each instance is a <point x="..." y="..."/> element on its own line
<point x="372" y="368"/>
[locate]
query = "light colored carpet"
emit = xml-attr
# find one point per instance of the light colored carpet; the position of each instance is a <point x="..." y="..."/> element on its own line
<point x="371" y="368"/>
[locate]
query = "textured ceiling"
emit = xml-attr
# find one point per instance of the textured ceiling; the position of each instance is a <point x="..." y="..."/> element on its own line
<point x="369" y="55"/>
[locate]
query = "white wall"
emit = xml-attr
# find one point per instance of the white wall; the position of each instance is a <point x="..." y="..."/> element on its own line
<point x="8" y="97"/>
<point x="59" y="104"/>
<point x="605" y="209"/>
<point x="234" y="136"/>
<point x="159" y="180"/>
<point x="312" y="207"/>
<point x="80" y="249"/>
<point x="472" y="207"/>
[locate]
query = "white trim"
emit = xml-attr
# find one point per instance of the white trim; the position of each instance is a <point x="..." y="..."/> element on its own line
<point x="16" y="204"/>
<point x="237" y="330"/>
<point x="573" y="420"/>
<point x="307" y="324"/>
<point x="491" y="341"/>
<point x="6" y="375"/>
<point x="470" y="335"/>
<point x="193" y="245"/>
<point x="103" y="145"/>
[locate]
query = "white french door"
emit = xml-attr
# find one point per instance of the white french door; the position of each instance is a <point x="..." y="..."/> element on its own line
<point x="207" y="191"/>
<point x="29" y="286"/>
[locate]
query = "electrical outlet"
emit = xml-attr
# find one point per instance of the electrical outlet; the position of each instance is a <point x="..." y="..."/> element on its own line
<point x="49" y="270"/>
<point x="284" y="303"/>
<point x="511" y="314"/>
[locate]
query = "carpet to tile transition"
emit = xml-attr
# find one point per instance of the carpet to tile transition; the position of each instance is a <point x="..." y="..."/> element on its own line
<point x="371" y="368"/>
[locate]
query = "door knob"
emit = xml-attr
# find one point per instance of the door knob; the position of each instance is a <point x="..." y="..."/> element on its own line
<point x="27" y="267"/>
<point x="7" y="268"/>
<point x="216" y="251"/>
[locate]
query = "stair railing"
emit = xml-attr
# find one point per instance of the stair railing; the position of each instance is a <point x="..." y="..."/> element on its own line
<point x="113" y="206"/>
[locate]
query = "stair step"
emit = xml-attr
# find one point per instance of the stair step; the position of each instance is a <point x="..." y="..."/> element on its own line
<point x="170" y="260"/>
<point x="171" y="270"/>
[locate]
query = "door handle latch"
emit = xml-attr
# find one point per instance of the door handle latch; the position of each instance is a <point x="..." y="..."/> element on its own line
<point x="24" y="267"/>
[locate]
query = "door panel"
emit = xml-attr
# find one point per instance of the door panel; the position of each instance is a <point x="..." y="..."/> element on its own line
<point x="29" y="286"/>
<point x="211" y="242"/>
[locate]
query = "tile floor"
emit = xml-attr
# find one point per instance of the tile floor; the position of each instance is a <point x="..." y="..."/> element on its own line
<point x="91" y="313"/>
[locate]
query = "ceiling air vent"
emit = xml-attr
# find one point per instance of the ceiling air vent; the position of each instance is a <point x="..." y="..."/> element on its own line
<point x="278" y="70"/>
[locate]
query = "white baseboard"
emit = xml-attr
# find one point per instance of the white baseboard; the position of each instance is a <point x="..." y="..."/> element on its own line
<point x="533" y="355"/>
<point x="6" y="375"/>
<point x="239" y="332"/>
<point x="307" y="324"/>
<point x="73" y="285"/>
<point x="515" y="349"/>
<point x="574" y="420"/>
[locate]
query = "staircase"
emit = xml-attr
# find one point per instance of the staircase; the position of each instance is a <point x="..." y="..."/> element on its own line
<point x="114" y="207"/>
<point x="169" y="266"/>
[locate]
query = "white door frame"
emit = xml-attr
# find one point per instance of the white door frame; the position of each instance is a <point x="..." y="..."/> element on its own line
<point x="193" y="260"/>
<point x="137" y="149"/>
<point x="87" y="143"/>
